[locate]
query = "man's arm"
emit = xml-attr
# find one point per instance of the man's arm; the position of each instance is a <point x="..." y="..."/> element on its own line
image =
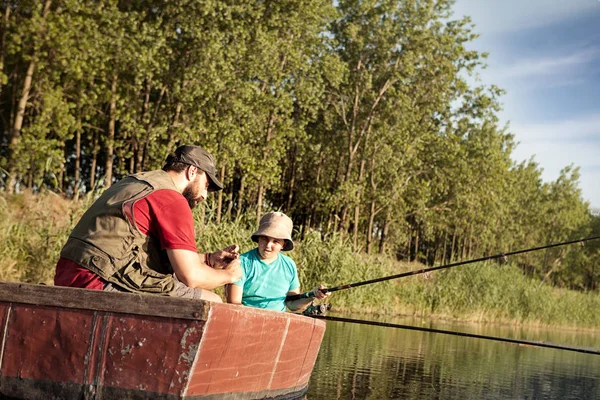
<point x="233" y="293"/>
<point x="192" y="271"/>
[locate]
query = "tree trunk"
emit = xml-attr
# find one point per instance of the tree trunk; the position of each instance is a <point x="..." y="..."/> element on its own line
<point x="141" y="156"/>
<point x="174" y="122"/>
<point x="385" y="231"/>
<point x="230" y="205"/>
<point x="445" y="240"/>
<point x="95" y="150"/>
<point x="259" y="201"/>
<point x="77" y="158"/>
<point x="131" y="168"/>
<point x="30" y="177"/>
<point x="313" y="206"/>
<point x="3" y="39"/>
<point x="220" y="196"/>
<point x="370" y="227"/>
<point x="261" y="185"/>
<point x="61" y="176"/>
<point x="357" y="206"/>
<point x="453" y="248"/>
<point x="292" y="183"/>
<point x="470" y="253"/>
<point x="240" y="202"/>
<point x="416" y="245"/>
<point x="341" y="221"/>
<point x="15" y="135"/>
<point x="138" y="142"/>
<point x="110" y="140"/>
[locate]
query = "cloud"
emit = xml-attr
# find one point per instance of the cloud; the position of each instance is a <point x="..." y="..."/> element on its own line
<point x="557" y="145"/>
<point x="503" y="16"/>
<point x="536" y="82"/>
<point x="583" y="129"/>
<point x="548" y="65"/>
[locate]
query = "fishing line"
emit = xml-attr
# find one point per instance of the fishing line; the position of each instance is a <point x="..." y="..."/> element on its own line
<point x="424" y="270"/>
<point x="464" y="334"/>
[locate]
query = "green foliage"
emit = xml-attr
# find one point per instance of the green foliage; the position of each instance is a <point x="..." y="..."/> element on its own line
<point x="354" y="117"/>
<point x="495" y="292"/>
<point x="33" y="229"/>
<point x="331" y="262"/>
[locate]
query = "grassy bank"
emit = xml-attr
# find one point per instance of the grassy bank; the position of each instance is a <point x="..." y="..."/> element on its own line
<point x="34" y="228"/>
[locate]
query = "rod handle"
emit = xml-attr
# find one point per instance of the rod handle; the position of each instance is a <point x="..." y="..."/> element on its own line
<point x="304" y="295"/>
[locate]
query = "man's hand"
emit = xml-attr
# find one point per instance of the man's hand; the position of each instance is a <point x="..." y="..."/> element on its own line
<point x="222" y="258"/>
<point x="235" y="269"/>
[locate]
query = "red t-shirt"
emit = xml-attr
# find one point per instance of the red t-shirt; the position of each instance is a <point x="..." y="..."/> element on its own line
<point x="164" y="214"/>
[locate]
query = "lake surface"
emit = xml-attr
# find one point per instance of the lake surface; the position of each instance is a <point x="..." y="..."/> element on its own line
<point x="369" y="362"/>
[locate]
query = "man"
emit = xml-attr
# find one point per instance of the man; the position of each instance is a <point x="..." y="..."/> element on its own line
<point x="269" y="276"/>
<point x="139" y="235"/>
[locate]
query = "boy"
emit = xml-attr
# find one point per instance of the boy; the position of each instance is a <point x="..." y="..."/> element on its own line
<point x="269" y="276"/>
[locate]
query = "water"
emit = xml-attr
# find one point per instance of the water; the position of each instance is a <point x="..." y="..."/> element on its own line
<point x="368" y="362"/>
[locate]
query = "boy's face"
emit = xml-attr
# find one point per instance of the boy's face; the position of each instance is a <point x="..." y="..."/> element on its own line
<point x="269" y="248"/>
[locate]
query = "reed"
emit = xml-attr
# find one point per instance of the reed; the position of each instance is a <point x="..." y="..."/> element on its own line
<point x="33" y="228"/>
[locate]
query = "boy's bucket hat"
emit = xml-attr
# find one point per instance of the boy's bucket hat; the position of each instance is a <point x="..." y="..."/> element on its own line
<point x="276" y="225"/>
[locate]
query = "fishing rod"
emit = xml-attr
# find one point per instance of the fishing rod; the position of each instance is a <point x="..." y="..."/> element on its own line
<point x="464" y="334"/>
<point x="424" y="270"/>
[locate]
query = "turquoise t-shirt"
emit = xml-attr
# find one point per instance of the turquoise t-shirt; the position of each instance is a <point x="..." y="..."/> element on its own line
<point x="266" y="285"/>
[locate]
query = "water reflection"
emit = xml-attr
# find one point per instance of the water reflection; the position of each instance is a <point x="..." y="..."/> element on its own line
<point x="367" y="362"/>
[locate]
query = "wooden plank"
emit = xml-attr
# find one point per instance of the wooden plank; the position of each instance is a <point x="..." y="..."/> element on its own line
<point x="156" y="353"/>
<point x="45" y="343"/>
<point x="97" y="300"/>
<point x="312" y="352"/>
<point x="238" y="351"/>
<point x="293" y="354"/>
<point x="4" y="317"/>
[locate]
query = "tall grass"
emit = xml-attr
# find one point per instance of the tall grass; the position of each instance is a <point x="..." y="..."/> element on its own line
<point x="34" y="228"/>
<point x="489" y="292"/>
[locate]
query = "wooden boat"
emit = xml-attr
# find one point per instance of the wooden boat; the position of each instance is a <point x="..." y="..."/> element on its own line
<point x="67" y="343"/>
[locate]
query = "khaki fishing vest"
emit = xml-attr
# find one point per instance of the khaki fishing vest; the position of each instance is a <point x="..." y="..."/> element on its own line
<point x="107" y="241"/>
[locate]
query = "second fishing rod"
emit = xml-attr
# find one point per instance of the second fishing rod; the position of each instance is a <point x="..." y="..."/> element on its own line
<point x="424" y="270"/>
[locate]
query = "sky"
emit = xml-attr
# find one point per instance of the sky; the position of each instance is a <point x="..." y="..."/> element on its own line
<point x="546" y="55"/>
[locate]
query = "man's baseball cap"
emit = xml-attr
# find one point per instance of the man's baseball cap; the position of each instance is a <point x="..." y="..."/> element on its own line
<point x="202" y="159"/>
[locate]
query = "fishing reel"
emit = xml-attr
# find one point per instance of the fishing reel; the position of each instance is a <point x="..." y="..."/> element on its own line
<point x="316" y="309"/>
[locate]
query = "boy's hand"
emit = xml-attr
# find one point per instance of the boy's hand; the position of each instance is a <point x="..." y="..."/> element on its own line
<point x="319" y="292"/>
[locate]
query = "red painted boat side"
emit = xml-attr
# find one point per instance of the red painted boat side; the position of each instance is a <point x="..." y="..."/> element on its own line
<point x="117" y="345"/>
<point x="36" y="341"/>
<point x="250" y="350"/>
<point x="163" y="368"/>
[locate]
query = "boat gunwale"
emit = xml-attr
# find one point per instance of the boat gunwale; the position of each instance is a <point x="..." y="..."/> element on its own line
<point x="98" y="300"/>
<point x="150" y="305"/>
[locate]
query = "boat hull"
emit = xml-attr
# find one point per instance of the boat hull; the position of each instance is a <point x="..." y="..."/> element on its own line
<point x="63" y="343"/>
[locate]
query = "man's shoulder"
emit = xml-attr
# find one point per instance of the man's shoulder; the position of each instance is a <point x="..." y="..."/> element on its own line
<point x="166" y="197"/>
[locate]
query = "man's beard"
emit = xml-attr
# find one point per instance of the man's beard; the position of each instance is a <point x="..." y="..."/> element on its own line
<point x="192" y="193"/>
